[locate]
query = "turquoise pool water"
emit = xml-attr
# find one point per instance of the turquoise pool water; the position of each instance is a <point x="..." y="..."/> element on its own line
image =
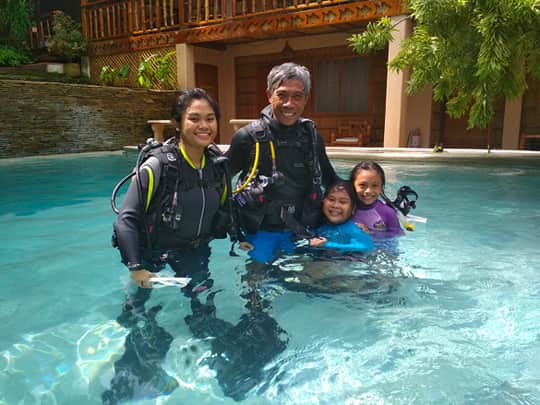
<point x="454" y="318"/>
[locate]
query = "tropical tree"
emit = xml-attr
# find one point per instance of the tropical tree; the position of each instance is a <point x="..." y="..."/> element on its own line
<point x="16" y="19"/>
<point x="472" y="52"/>
<point x="67" y="40"/>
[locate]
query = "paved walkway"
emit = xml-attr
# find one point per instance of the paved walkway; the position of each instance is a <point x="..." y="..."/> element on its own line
<point x="426" y="153"/>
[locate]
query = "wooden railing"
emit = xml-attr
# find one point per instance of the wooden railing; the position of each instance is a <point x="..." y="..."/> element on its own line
<point x="103" y="19"/>
<point x="42" y="31"/>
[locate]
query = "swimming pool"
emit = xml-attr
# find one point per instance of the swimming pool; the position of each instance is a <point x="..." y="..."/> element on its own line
<point x="455" y="320"/>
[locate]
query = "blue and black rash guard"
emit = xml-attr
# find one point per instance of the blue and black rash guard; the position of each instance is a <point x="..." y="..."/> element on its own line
<point x="198" y="199"/>
<point x="346" y="237"/>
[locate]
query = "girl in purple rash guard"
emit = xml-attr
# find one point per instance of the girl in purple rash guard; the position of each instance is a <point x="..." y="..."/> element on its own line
<point x="373" y="215"/>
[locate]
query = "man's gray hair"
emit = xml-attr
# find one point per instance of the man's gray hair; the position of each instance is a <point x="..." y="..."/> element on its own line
<point x="288" y="71"/>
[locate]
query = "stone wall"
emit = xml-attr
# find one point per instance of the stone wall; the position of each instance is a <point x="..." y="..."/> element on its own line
<point x="42" y="118"/>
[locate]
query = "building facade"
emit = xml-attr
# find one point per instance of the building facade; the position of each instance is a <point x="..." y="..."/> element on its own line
<point x="228" y="47"/>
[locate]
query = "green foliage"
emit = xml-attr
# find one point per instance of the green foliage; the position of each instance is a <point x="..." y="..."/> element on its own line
<point x="109" y="75"/>
<point x="67" y="40"/>
<point x="145" y="72"/>
<point x="16" y="19"/>
<point x="374" y="38"/>
<point x="13" y="57"/>
<point x="156" y="69"/>
<point x="164" y="69"/>
<point x="473" y="52"/>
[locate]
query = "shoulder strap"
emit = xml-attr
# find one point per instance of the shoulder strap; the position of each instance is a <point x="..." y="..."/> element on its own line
<point x="309" y="125"/>
<point x="169" y="158"/>
<point x="258" y="132"/>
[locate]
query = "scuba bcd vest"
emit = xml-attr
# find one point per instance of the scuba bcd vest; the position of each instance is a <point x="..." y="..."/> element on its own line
<point x="164" y="206"/>
<point x="265" y="197"/>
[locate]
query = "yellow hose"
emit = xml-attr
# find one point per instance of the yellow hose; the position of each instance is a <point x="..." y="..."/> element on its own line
<point x="253" y="169"/>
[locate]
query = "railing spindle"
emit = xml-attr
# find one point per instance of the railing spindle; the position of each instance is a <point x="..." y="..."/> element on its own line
<point x="101" y="24"/>
<point x="108" y="20"/>
<point x="130" y="22"/>
<point x="181" y="15"/>
<point x="159" y="14"/>
<point x="114" y="20"/>
<point x="165" y="13"/>
<point x="142" y="16"/>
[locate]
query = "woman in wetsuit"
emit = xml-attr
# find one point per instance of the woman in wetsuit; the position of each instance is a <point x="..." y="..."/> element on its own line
<point x="173" y="205"/>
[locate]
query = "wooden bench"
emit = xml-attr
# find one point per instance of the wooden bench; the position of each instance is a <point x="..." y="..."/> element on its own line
<point x="158" y="127"/>
<point x="523" y="138"/>
<point x="351" y="133"/>
<point x="238" y="123"/>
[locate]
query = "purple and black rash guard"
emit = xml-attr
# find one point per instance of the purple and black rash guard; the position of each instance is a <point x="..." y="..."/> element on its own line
<point x="380" y="219"/>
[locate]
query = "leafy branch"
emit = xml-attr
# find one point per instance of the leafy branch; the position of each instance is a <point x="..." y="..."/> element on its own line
<point x="156" y="69"/>
<point x="473" y="53"/>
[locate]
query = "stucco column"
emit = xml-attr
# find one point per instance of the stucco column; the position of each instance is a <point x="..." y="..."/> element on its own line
<point x="185" y="66"/>
<point x="512" y="123"/>
<point x="395" y="128"/>
<point x="419" y="109"/>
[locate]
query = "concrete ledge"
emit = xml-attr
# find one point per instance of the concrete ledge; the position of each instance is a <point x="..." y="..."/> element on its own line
<point x="62" y="156"/>
<point x="427" y="153"/>
<point x="413" y="153"/>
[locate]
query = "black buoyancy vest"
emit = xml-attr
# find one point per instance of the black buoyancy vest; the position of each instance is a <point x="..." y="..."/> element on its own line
<point x="300" y="192"/>
<point x="186" y="201"/>
<point x="288" y="151"/>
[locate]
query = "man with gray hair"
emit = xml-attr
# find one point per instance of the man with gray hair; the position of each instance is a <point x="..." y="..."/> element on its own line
<point x="282" y="162"/>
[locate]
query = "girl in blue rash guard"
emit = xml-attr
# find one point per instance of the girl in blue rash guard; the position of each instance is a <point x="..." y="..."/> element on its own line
<point x="338" y="239"/>
<point x="340" y="232"/>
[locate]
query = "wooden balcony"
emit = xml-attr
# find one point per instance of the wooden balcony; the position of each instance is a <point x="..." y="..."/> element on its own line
<point x="124" y="25"/>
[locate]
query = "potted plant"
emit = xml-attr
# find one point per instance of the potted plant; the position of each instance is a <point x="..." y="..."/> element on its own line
<point x="67" y="42"/>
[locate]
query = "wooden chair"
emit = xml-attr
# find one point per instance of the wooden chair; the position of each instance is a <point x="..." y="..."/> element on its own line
<point x="351" y="133"/>
<point x="523" y="138"/>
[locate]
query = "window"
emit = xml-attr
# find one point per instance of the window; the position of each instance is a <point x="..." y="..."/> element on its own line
<point x="342" y="86"/>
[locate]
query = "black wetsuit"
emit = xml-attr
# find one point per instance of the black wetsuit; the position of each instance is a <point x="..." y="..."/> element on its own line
<point x="241" y="351"/>
<point x="183" y="244"/>
<point x="198" y="199"/>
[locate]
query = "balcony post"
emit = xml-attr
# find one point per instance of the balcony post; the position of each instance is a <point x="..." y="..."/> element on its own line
<point x="84" y="24"/>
